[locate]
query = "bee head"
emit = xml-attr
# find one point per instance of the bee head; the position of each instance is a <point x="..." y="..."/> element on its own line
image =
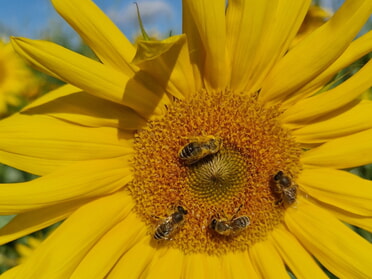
<point x="181" y="210"/>
<point x="278" y="176"/>
<point x="213" y="224"/>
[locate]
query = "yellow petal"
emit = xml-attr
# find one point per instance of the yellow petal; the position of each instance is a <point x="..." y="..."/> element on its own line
<point x="99" y="32"/>
<point x="325" y="103"/>
<point x="138" y="92"/>
<point x="346" y="152"/>
<point x="203" y="266"/>
<point x="340" y="189"/>
<point x="76" y="181"/>
<point x="245" y="25"/>
<point x="64" y="249"/>
<point x="112" y="245"/>
<point x="134" y="262"/>
<point x="295" y="256"/>
<point x="40" y="144"/>
<point x="267" y="261"/>
<point x="28" y="222"/>
<point x="209" y="19"/>
<point x="359" y="221"/>
<point x="70" y="104"/>
<point x="315" y="17"/>
<point x="196" y="52"/>
<point x="63" y="90"/>
<point x="37" y="64"/>
<point x="168" y="61"/>
<point x="166" y="264"/>
<point x="339" y="249"/>
<point x="256" y="29"/>
<point x="356" y="50"/>
<point x="11" y="273"/>
<point x="349" y="122"/>
<point x="322" y="48"/>
<point x="239" y="265"/>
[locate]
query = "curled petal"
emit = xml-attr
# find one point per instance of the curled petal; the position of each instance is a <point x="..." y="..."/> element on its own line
<point x="137" y="91"/>
<point x="168" y="61"/>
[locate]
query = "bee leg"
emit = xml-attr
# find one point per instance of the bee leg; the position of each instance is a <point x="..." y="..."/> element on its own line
<point x="279" y="202"/>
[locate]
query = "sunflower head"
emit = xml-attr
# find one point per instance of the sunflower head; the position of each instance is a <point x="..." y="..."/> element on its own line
<point x="216" y="154"/>
<point x="220" y="152"/>
<point x="17" y="83"/>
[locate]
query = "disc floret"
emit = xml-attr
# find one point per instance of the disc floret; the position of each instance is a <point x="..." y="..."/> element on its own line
<point x="237" y="177"/>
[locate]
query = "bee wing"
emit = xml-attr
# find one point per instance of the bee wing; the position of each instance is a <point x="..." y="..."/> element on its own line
<point x="290" y="194"/>
<point x="240" y="223"/>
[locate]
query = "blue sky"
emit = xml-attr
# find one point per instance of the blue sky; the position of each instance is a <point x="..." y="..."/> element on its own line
<point x="32" y="18"/>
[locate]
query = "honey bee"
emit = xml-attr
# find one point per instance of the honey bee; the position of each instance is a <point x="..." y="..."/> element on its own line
<point x="199" y="148"/>
<point x="285" y="188"/>
<point x="230" y="227"/>
<point x="170" y="224"/>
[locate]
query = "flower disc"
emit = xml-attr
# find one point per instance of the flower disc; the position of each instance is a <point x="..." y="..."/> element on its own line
<point x="235" y="181"/>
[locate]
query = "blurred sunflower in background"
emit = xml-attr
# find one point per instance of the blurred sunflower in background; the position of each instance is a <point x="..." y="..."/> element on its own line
<point x="17" y="82"/>
<point x="25" y="250"/>
<point x="209" y="154"/>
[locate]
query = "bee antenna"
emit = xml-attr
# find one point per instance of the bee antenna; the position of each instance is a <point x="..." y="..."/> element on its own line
<point x="237" y="211"/>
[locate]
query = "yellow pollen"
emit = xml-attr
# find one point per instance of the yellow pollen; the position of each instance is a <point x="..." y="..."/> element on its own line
<point x="236" y="181"/>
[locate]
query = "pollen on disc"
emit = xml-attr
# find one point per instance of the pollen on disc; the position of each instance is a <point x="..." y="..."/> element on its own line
<point x="235" y="181"/>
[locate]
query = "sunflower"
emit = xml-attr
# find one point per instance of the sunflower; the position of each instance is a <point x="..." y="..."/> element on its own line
<point x="315" y="17"/>
<point x="16" y="80"/>
<point x="210" y="154"/>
